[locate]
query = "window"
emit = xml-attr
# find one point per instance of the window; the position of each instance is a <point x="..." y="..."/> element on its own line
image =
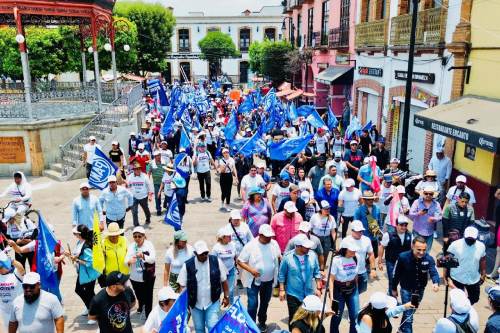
<point x="213" y="29"/>
<point x="244" y="72"/>
<point x="344" y="21"/>
<point x="270" y="33"/>
<point x="185" y="71"/>
<point x="381" y="9"/>
<point x="184" y="45"/>
<point x="310" y="17"/>
<point x="368" y="10"/>
<point x="325" y="13"/>
<point x="167" y="73"/>
<point x="244" y="39"/>
<point x="299" y="30"/>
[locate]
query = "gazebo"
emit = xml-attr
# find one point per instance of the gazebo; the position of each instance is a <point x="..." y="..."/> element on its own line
<point x="93" y="17"/>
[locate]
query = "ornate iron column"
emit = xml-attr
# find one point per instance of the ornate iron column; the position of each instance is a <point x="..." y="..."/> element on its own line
<point x="21" y="40"/>
<point x="97" y="76"/>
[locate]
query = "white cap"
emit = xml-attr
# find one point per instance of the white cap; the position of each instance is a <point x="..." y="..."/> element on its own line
<point x="444" y="325"/>
<point x="304" y="195"/>
<point x="324" y="204"/>
<point x="302" y="240"/>
<point x="167" y="293"/>
<point x="461" y="178"/>
<point x="140" y="146"/>
<point x="338" y="153"/>
<point x="401" y="189"/>
<point x="132" y="133"/>
<point x="305" y="226"/>
<point x="347" y="244"/>
<point x="139" y="230"/>
<point x="312" y="303"/>
<point x="235" y="214"/>
<point x="402" y="219"/>
<point x="91" y="138"/>
<point x="349" y="182"/>
<point x="8" y="213"/>
<point x="470" y="232"/>
<point x="224" y="231"/>
<point x="290" y="207"/>
<point x="84" y="184"/>
<point x="394" y="160"/>
<point x="111" y="179"/>
<point x="260" y="164"/>
<point x="357" y="225"/>
<point x="380" y="301"/>
<point x="114" y="143"/>
<point x="31" y="278"/>
<point x="353" y="142"/>
<point x="459" y="301"/>
<point x="75" y="230"/>
<point x="156" y="153"/>
<point x="366" y="160"/>
<point x="373" y="158"/>
<point x="266" y="230"/>
<point x="200" y="247"/>
<point x="439" y="149"/>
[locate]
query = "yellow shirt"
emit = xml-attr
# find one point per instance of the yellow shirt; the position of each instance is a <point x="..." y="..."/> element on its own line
<point x="114" y="255"/>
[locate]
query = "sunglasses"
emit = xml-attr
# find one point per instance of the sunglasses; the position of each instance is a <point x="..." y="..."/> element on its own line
<point x="138" y="236"/>
<point x="203" y="254"/>
<point x="427" y="193"/>
<point x="403" y="224"/>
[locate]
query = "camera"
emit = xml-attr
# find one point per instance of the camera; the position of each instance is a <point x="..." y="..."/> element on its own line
<point x="447" y="261"/>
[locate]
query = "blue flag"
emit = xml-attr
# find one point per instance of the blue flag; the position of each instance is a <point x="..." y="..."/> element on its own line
<point x="315" y="120"/>
<point x="178" y="159"/>
<point x="172" y="216"/>
<point x="305" y="110"/>
<point x="284" y="149"/>
<point x="235" y="320"/>
<point x="246" y="106"/>
<point x="368" y="126"/>
<point x="354" y="126"/>
<point x="102" y="168"/>
<point x="292" y="112"/>
<point x="184" y="141"/>
<point x="45" y="266"/>
<point x="168" y="124"/>
<point x="231" y="128"/>
<point x="156" y="89"/>
<point x="332" y="120"/>
<point x="218" y="148"/>
<point x="176" y="319"/>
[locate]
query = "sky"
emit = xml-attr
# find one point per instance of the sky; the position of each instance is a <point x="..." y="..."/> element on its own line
<point x="215" y="7"/>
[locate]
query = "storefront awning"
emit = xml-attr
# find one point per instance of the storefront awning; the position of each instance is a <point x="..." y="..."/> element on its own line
<point x="471" y="119"/>
<point x="295" y="94"/>
<point x="336" y="74"/>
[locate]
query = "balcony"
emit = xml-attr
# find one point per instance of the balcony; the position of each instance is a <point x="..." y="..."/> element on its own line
<point x="338" y="38"/>
<point x="431" y="28"/>
<point x="319" y="41"/>
<point x="287" y="6"/>
<point x="371" y="35"/>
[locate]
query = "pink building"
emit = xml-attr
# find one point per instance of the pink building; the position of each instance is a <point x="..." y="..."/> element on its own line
<point x="325" y="30"/>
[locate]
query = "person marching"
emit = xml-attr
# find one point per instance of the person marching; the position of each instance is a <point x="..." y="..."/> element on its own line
<point x="142" y="191"/>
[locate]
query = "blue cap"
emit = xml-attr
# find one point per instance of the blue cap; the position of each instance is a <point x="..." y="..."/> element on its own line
<point x="285" y="176"/>
<point x="494" y="293"/>
<point x="388" y="178"/>
<point x="179" y="181"/>
<point x="255" y="190"/>
<point x="381" y="139"/>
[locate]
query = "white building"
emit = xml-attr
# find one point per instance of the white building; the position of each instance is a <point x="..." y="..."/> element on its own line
<point x="243" y="29"/>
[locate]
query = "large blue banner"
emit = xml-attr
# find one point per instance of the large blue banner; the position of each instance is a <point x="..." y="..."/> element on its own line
<point x="102" y="168"/>
<point x="235" y="320"/>
<point x="155" y="88"/>
<point x="286" y="148"/>
<point x="176" y="319"/>
<point x="45" y="265"/>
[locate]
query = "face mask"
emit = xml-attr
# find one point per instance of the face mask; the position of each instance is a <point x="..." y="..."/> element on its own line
<point x="470" y="241"/>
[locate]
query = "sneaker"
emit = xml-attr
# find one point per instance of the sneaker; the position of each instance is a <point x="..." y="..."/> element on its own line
<point x="158" y="213"/>
<point x="209" y="199"/>
<point x="139" y="309"/>
<point x="84" y="313"/>
<point x="435" y="235"/>
<point x="227" y="208"/>
<point x="202" y="199"/>
<point x="143" y="316"/>
<point x="91" y="322"/>
<point x="148" y="221"/>
<point x="262" y="327"/>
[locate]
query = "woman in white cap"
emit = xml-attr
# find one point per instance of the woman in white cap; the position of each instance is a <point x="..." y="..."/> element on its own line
<point x="140" y="258"/>
<point x="311" y="206"/>
<point x="175" y="257"/>
<point x="306" y="318"/>
<point x="241" y="233"/>
<point x="324" y="226"/>
<point x="227" y="170"/>
<point x="374" y="317"/>
<point x="225" y="250"/>
<point x="166" y="299"/>
<point x="463" y="316"/>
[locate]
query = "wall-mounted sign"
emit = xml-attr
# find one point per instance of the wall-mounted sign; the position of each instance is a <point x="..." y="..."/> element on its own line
<point x="371" y="71"/>
<point x="342" y="59"/>
<point x="12" y="149"/>
<point x="417" y="77"/>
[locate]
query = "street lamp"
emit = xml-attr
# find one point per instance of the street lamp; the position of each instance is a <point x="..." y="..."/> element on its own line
<point x="117" y="25"/>
<point x="90" y="49"/>
<point x="126" y="47"/>
<point x="291" y="25"/>
<point x="20" y="39"/>
<point x="107" y="47"/>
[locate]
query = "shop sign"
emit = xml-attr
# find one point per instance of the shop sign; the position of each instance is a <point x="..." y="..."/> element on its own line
<point x="371" y="71"/>
<point x="416" y="77"/>
<point x="467" y="136"/>
<point x="342" y="59"/>
<point x="12" y="150"/>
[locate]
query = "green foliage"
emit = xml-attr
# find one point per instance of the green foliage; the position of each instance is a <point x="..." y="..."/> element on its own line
<point x="217" y="45"/>
<point x="154" y="24"/>
<point x="274" y="60"/>
<point x="255" y="55"/>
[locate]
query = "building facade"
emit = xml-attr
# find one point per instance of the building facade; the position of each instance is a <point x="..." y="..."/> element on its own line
<point x="184" y="60"/>
<point x="324" y="29"/>
<point x="382" y="41"/>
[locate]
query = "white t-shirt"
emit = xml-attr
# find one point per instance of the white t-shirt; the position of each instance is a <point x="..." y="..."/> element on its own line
<point x="364" y="247"/>
<point x="243" y="231"/>
<point x="248" y="182"/>
<point x="229" y="165"/>
<point x="262" y="257"/>
<point x="226" y="253"/>
<point x="154" y="320"/>
<point x="469" y="258"/>
<point x="167" y="184"/>
<point x="137" y="269"/>
<point x="400" y="207"/>
<point x="386" y="238"/>
<point x="351" y="201"/>
<point x="280" y="193"/>
<point x="321" y="143"/>
<point x="454" y="192"/>
<point x="10" y="288"/>
<point x="90" y="150"/>
<point x="177" y="262"/>
<point x="139" y="186"/>
<point x="341" y="167"/>
<point x="21" y="230"/>
<point x="203" y="162"/>
<point x="291" y="132"/>
<point x="166" y="156"/>
<point x="384" y="193"/>
<point x="344" y="269"/>
<point x="322" y="225"/>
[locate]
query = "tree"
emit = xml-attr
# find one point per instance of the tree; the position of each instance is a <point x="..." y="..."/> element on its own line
<point x="255" y="55"/>
<point x="154" y="24"/>
<point x="216" y="46"/>
<point x="296" y="59"/>
<point x="274" y="60"/>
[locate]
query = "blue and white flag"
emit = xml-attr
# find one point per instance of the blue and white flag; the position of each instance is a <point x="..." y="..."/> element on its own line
<point x="172" y="216"/>
<point x="178" y="159"/>
<point x="184" y="141"/>
<point x="292" y="112"/>
<point x="45" y="265"/>
<point x="155" y="88"/>
<point x="314" y="119"/>
<point x="102" y="168"/>
<point x="354" y="126"/>
<point x="235" y="320"/>
<point x="176" y="319"/>
<point x="231" y="128"/>
<point x="246" y="106"/>
<point x="305" y="110"/>
<point x="332" y="120"/>
<point x="284" y="149"/>
<point x="368" y="126"/>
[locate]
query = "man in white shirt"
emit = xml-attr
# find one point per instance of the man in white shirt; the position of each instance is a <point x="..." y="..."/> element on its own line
<point x="321" y="139"/>
<point x="142" y="190"/>
<point x="165" y="153"/>
<point x="442" y="165"/>
<point x="205" y="278"/>
<point x="290" y="130"/>
<point x="251" y="180"/>
<point x="339" y="164"/>
<point x="84" y="207"/>
<point x="364" y="249"/>
<point x="454" y="192"/>
<point x="349" y="201"/>
<point x="88" y="153"/>
<point x="202" y="160"/>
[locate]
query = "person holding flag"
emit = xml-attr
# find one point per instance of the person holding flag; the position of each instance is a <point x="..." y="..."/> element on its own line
<point x="369" y="175"/>
<point x="88" y="153"/>
<point x="202" y="161"/>
<point x="115" y="201"/>
<point x="166" y="299"/>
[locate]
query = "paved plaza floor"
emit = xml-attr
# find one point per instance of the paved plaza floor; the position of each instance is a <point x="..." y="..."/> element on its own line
<point x="202" y="220"/>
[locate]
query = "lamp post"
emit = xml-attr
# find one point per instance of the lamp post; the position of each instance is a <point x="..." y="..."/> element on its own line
<point x="409" y="80"/>
<point x="116" y="25"/>
<point x="292" y="28"/>
<point x="21" y="40"/>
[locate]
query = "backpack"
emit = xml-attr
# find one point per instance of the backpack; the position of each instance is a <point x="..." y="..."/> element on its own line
<point x="464" y="327"/>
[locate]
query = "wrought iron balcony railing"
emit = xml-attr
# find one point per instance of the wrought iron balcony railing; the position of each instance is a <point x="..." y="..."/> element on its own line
<point x="431" y="28"/>
<point x="338" y="38"/>
<point x="371" y="34"/>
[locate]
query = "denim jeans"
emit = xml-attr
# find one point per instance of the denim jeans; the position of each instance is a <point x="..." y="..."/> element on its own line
<point x="157" y="199"/>
<point x="362" y="282"/>
<point x="390" y="273"/>
<point x="407" y="320"/>
<point x="205" y="318"/>
<point x="352" y="302"/>
<point x="231" y="282"/>
<point x="265" y="291"/>
<point x="428" y="240"/>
